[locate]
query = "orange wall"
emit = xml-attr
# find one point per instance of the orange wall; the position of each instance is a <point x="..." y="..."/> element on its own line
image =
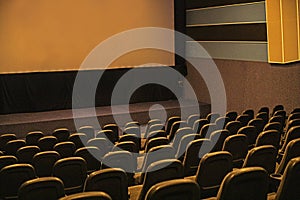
<point x="51" y="35"/>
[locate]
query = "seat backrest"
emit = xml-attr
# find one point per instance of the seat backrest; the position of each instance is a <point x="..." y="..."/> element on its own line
<point x="212" y="169"/>
<point x="178" y="135"/>
<point x="293" y="133"/>
<point x="12" y="177"/>
<point x="32" y="138"/>
<point x="279" y="119"/>
<point x="207" y="129"/>
<point x="132" y="138"/>
<point x="244" y="184"/>
<point x="12" y="146"/>
<point x="218" y="138"/>
<point x="198" y="124"/>
<point x="103" y="144"/>
<point x="293" y="116"/>
<point x="232" y="115"/>
<point x="126" y="146"/>
<point x="296" y="110"/>
<point x="150" y="123"/>
<point x="221" y="122"/>
<point x="154" y="127"/>
<point x="185" y="140"/>
<point x="131" y="124"/>
<point x="4" y="138"/>
<point x="233" y="127"/>
<point x="264" y="116"/>
<point x="79" y="139"/>
<point x="292" y="150"/>
<point x="244" y="119"/>
<point x="47" y="143"/>
<point x="72" y="171"/>
<point x="289" y="185"/>
<point x="103" y="180"/>
<point x="262" y="156"/>
<point x="264" y="109"/>
<point x="277" y="108"/>
<point x="133" y="130"/>
<point x="212" y="117"/>
<point x="65" y="149"/>
<point x="155" y="142"/>
<point x="45" y="188"/>
<point x="173" y="190"/>
<point x="273" y="126"/>
<point x="158" y="153"/>
<point x="249" y="112"/>
<point x="250" y="132"/>
<point x="237" y="145"/>
<point x="92" y="157"/>
<point x="62" y="134"/>
<point x="271" y="137"/>
<point x="160" y="171"/>
<point x="7" y="160"/>
<point x="89" y="131"/>
<point x="87" y="196"/>
<point x="191" y="119"/>
<point x="293" y="123"/>
<point x="258" y="123"/>
<point x="170" y="122"/>
<point x="43" y="162"/>
<point x="154" y="134"/>
<point x="115" y="132"/>
<point x="25" y="154"/>
<point x="194" y="152"/>
<point x="176" y="125"/>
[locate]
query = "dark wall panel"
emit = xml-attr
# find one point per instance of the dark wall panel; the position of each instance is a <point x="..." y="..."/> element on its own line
<point x="233" y="32"/>
<point x="191" y="4"/>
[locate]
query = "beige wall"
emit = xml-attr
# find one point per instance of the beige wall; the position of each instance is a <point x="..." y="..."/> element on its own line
<point x="50" y="35"/>
<point x="253" y="84"/>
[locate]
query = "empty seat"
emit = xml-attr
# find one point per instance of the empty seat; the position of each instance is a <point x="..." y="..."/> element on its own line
<point x="46" y="188"/>
<point x="65" y="149"/>
<point x="92" y="157"/>
<point x="123" y="160"/>
<point x="292" y="151"/>
<point x="244" y="184"/>
<point x="264" y="109"/>
<point x="258" y="123"/>
<point x="198" y="124"/>
<point x="221" y="122"/>
<point x="295" y="110"/>
<point x="150" y="123"/>
<point x="251" y="134"/>
<point x="155" y="127"/>
<point x="47" y="143"/>
<point x="12" y="146"/>
<point x="271" y="137"/>
<point x="212" y="169"/>
<point x="191" y="119"/>
<point x="292" y="123"/>
<point x="244" y="119"/>
<point x="32" y="138"/>
<point x="79" y="139"/>
<point x="194" y="152"/>
<point x="111" y="181"/>
<point x="104" y="145"/>
<point x="264" y="116"/>
<point x="233" y="127"/>
<point x="293" y="116"/>
<point x="25" y="154"/>
<point x="126" y="146"/>
<point x="73" y="172"/>
<point x="4" y="138"/>
<point x="62" y="134"/>
<point x="179" y="134"/>
<point x="249" y="112"/>
<point x="176" y="125"/>
<point x="87" y="196"/>
<point x="293" y="133"/>
<point x="43" y="162"/>
<point x="89" y="131"/>
<point x="218" y="138"/>
<point x="207" y="129"/>
<point x="170" y="122"/>
<point x="132" y="138"/>
<point x="289" y="186"/>
<point x="237" y="145"/>
<point x="212" y="117"/>
<point x="7" y="160"/>
<point x="273" y="126"/>
<point x="232" y="115"/>
<point x="157" y="172"/>
<point x="114" y="137"/>
<point x="276" y="108"/>
<point x="174" y="189"/>
<point x="132" y="124"/>
<point x="263" y="156"/>
<point x="12" y="177"/>
<point x="154" y="134"/>
<point x="184" y="142"/>
<point x="154" y="142"/>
